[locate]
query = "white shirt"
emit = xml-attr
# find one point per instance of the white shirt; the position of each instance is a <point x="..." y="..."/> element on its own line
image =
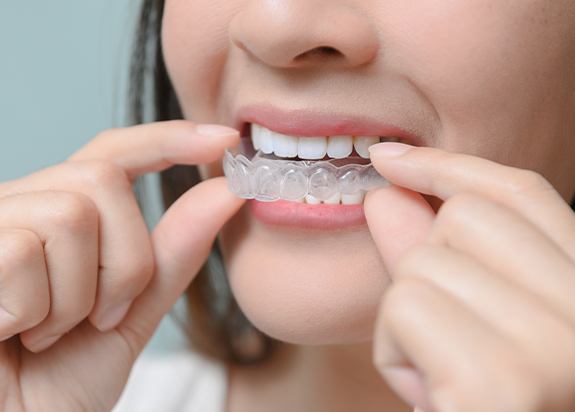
<point x="180" y="381"/>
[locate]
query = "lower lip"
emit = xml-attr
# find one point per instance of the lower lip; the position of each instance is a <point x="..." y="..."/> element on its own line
<point x="304" y="216"/>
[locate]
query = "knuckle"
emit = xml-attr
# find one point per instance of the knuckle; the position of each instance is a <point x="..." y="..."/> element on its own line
<point x="457" y="207"/>
<point x="39" y="311"/>
<point x="74" y="211"/>
<point x="17" y="248"/>
<point x="455" y="213"/>
<point x="136" y="272"/>
<point x="101" y="173"/>
<point x="33" y="315"/>
<point x="527" y="181"/>
<point x="64" y="316"/>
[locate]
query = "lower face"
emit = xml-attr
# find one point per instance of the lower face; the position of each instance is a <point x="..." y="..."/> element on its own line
<point x="484" y="77"/>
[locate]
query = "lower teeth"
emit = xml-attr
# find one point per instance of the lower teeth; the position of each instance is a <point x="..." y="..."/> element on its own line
<point x="337" y="199"/>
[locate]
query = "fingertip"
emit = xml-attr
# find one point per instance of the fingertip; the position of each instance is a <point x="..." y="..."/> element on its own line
<point x="217" y="131"/>
<point x="389" y="150"/>
<point x="397" y="218"/>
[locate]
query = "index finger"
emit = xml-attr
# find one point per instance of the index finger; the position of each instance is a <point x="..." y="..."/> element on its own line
<point x="445" y="174"/>
<point x="156" y="146"/>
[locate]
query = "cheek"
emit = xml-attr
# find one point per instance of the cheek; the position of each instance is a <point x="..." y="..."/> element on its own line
<point x="304" y="288"/>
<point x="195" y="44"/>
<point x="487" y="66"/>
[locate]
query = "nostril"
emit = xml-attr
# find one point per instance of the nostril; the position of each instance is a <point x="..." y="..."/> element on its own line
<point x="319" y="51"/>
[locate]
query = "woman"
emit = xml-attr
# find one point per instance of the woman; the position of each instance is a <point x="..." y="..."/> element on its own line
<point x="477" y="313"/>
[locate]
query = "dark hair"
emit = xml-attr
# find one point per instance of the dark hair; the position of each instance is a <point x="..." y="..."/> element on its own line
<point x="215" y="326"/>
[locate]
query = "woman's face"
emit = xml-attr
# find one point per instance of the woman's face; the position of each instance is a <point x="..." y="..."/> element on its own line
<point x="490" y="78"/>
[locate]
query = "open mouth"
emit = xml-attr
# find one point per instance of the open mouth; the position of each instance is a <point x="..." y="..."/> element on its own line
<point x="311" y="147"/>
<point x="315" y="170"/>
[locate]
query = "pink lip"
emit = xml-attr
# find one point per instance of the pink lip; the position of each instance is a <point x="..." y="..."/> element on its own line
<point x="304" y="123"/>
<point x="304" y="216"/>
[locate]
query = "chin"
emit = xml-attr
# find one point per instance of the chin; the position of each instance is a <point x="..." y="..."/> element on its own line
<point x="304" y="287"/>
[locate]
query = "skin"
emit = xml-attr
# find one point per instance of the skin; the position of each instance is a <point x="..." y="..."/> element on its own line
<point x="472" y="243"/>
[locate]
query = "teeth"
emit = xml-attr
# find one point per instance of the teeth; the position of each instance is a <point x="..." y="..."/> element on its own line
<point x="266" y="139"/>
<point x="336" y="199"/>
<point x="285" y="146"/>
<point x="361" y="144"/>
<point x="355" y="199"/>
<point x="339" y="147"/>
<point x="312" y="148"/>
<point x="311" y="200"/>
<point x="256" y="136"/>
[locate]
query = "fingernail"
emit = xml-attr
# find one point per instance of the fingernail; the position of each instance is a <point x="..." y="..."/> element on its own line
<point x="113" y="316"/>
<point x="215" y="130"/>
<point x="43" y="343"/>
<point x="389" y="149"/>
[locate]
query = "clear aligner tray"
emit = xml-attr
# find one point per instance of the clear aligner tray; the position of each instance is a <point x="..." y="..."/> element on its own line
<point x="264" y="177"/>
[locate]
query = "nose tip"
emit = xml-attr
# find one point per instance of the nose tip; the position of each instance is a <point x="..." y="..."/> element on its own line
<point x="304" y="33"/>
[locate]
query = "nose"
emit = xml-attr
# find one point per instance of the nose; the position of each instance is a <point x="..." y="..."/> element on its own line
<point x="305" y="33"/>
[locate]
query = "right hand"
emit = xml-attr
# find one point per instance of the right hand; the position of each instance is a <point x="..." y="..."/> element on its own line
<point x="83" y="285"/>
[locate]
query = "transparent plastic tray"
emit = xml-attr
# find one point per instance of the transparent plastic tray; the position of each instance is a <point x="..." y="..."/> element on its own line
<point x="255" y="175"/>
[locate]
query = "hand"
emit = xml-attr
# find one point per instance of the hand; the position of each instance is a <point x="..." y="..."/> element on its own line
<point x="480" y="315"/>
<point x="83" y="285"/>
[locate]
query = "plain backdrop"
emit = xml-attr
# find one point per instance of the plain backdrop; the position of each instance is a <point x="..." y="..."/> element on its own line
<point x="63" y="67"/>
<point x="63" y="76"/>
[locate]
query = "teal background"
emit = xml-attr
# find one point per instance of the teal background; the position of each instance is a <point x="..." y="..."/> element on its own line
<point x="63" y="72"/>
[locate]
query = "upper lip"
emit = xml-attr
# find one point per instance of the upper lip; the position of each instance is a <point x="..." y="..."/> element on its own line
<point x="303" y="122"/>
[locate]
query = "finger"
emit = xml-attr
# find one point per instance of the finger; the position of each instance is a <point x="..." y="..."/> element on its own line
<point x="397" y="219"/>
<point x="471" y="225"/>
<point x="24" y="289"/>
<point x="486" y="294"/>
<point x="182" y="241"/>
<point x="456" y="351"/>
<point x="443" y="174"/>
<point x="126" y="255"/>
<point x="67" y="224"/>
<point x="117" y="156"/>
<point x="156" y="146"/>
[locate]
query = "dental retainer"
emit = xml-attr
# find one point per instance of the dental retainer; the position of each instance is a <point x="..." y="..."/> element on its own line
<point x="253" y="174"/>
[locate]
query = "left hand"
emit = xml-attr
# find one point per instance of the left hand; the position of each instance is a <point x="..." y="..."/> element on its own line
<point x="480" y="315"/>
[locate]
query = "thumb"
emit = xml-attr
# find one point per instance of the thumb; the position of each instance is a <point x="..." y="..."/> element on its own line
<point x="181" y="242"/>
<point x="398" y="219"/>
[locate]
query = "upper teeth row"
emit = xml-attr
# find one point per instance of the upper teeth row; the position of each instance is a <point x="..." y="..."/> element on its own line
<point x="336" y="147"/>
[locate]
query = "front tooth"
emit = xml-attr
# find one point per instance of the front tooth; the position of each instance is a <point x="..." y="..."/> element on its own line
<point x="312" y="200"/>
<point x="361" y="143"/>
<point x="284" y="145"/>
<point x="312" y="147"/>
<point x="352" y="199"/>
<point x="334" y="200"/>
<point x="256" y="136"/>
<point x="339" y="147"/>
<point x="266" y="140"/>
